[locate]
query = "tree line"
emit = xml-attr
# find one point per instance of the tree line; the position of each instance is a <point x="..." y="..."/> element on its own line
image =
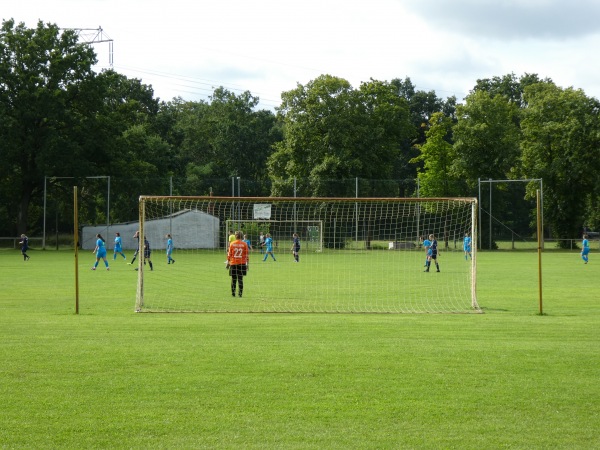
<point x="61" y="124"/>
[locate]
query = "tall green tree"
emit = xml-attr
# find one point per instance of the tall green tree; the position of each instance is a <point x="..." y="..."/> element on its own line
<point x="334" y="132"/>
<point x="114" y="134"/>
<point x="241" y="138"/>
<point x="509" y="86"/>
<point x="486" y="142"/>
<point x="127" y="142"/>
<point x="186" y="127"/>
<point x="41" y="72"/>
<point x="226" y="137"/>
<point x="422" y="105"/>
<point x="561" y="145"/>
<point x="438" y="178"/>
<point x="486" y="137"/>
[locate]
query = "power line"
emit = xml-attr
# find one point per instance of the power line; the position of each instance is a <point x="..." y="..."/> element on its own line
<point x="199" y="86"/>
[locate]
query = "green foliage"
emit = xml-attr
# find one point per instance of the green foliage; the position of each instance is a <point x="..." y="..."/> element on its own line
<point x="422" y="105"/>
<point x="332" y="131"/>
<point x="437" y="178"/>
<point x="509" y="87"/>
<point x="487" y="137"/>
<point x="41" y="73"/>
<point x="561" y="138"/>
<point x="223" y="139"/>
<point x="59" y="119"/>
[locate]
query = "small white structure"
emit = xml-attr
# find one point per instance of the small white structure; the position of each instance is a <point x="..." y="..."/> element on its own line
<point x="191" y="229"/>
<point x="400" y="245"/>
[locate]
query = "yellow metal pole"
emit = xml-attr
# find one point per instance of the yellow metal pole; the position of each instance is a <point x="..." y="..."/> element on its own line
<point x="139" y="303"/>
<point x="76" y="242"/>
<point x="539" y="237"/>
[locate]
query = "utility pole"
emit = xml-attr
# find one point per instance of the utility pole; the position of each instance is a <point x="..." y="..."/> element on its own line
<point x="94" y="36"/>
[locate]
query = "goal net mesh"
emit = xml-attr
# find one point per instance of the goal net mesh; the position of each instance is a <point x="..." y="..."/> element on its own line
<point x="356" y="256"/>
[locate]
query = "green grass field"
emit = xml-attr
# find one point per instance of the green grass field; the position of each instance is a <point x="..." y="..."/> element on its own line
<point x="111" y="378"/>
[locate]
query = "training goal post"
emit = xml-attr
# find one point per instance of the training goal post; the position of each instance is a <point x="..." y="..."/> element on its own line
<point x="357" y="255"/>
<point x="281" y="232"/>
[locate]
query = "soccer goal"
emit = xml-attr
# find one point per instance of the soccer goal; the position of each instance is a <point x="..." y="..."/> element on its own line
<point x="357" y="255"/>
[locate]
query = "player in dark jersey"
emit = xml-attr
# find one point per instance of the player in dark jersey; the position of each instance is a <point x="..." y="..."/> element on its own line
<point x="433" y="253"/>
<point x="137" y="249"/>
<point x="296" y="247"/>
<point x="24" y="247"/>
<point x="147" y="253"/>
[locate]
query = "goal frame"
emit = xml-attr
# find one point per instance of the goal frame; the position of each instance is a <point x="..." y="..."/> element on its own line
<point x="143" y="199"/>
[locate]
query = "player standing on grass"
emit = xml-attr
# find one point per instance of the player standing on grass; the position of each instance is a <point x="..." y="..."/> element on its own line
<point x="296" y="247"/>
<point x="585" y="249"/>
<point x="100" y="252"/>
<point x="24" y="247"/>
<point x="433" y="252"/>
<point x="169" y="248"/>
<point x="248" y="242"/>
<point x="136" y="235"/>
<point x="426" y="243"/>
<point x="261" y="242"/>
<point x="467" y="246"/>
<point x="118" y="247"/>
<point x="269" y="247"/>
<point x="147" y="253"/>
<point x="237" y="259"/>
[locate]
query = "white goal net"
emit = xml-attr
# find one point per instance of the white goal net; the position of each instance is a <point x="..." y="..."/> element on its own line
<point x="281" y="231"/>
<point x="361" y="255"/>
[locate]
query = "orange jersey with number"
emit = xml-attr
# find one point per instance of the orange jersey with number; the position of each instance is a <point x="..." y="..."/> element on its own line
<point x="237" y="253"/>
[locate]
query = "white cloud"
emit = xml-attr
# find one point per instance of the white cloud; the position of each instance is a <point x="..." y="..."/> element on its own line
<point x="512" y="19"/>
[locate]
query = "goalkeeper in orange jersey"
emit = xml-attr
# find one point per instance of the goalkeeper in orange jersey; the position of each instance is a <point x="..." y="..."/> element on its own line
<point x="237" y="260"/>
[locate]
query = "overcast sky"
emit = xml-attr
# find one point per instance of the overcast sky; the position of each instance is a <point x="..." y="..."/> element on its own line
<point x="186" y="48"/>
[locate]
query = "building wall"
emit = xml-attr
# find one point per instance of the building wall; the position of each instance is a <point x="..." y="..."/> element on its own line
<point x="190" y="230"/>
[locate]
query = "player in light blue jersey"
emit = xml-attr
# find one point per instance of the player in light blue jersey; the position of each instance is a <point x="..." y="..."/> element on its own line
<point x="118" y="247"/>
<point x="585" y="249"/>
<point x="248" y="242"/>
<point x="170" y="249"/>
<point x="467" y="246"/>
<point x="100" y="252"/>
<point x="269" y="247"/>
<point x="426" y="243"/>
